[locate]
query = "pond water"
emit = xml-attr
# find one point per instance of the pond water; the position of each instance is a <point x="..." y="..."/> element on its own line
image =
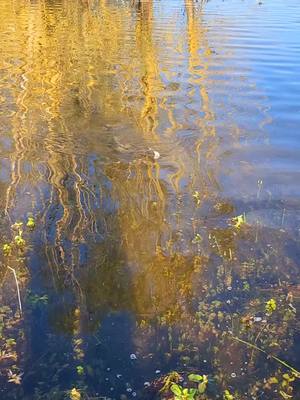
<point x="156" y="146"/>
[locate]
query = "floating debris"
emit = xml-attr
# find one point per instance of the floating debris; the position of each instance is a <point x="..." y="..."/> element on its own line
<point x="156" y="155"/>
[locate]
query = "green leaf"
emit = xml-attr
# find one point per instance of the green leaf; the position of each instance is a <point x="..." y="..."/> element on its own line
<point x="176" y="389"/>
<point x="195" y="378"/>
<point x="30" y="223"/>
<point x="228" y="395"/>
<point x="80" y="370"/>
<point x="202" y="387"/>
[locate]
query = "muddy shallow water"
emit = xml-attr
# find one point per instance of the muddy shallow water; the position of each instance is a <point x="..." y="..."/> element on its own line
<point x="135" y="134"/>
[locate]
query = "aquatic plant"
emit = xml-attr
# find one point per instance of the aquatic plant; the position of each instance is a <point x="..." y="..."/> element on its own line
<point x="227" y="395"/>
<point x="270" y="306"/>
<point x="30" y="223"/>
<point x="170" y="379"/>
<point x="201" y="380"/>
<point x="239" y="221"/>
<point x="10" y="321"/>
<point x="181" y="393"/>
<point x="197" y="197"/>
<point x="197" y="239"/>
<point x="75" y="394"/>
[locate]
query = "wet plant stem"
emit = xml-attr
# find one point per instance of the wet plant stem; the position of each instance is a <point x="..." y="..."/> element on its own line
<point x="253" y="346"/>
<point x="18" y="289"/>
<point x="256" y="339"/>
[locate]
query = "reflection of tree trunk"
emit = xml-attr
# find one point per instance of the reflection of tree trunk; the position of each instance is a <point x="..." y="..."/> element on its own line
<point x="199" y="56"/>
<point x="150" y="77"/>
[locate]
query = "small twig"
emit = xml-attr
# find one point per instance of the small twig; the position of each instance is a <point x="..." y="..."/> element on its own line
<point x="18" y="289"/>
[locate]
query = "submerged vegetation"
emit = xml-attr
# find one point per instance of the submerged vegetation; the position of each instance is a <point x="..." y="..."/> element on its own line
<point x="233" y="317"/>
<point x="14" y="275"/>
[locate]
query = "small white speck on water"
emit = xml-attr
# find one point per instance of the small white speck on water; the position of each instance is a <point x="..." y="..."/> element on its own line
<point x="156" y="155"/>
<point x="133" y="394"/>
<point x="146" y="384"/>
<point x="157" y="371"/>
<point x="129" y="390"/>
<point x="133" y="356"/>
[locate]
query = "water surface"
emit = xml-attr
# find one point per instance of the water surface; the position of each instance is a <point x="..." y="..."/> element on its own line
<point x="126" y="129"/>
